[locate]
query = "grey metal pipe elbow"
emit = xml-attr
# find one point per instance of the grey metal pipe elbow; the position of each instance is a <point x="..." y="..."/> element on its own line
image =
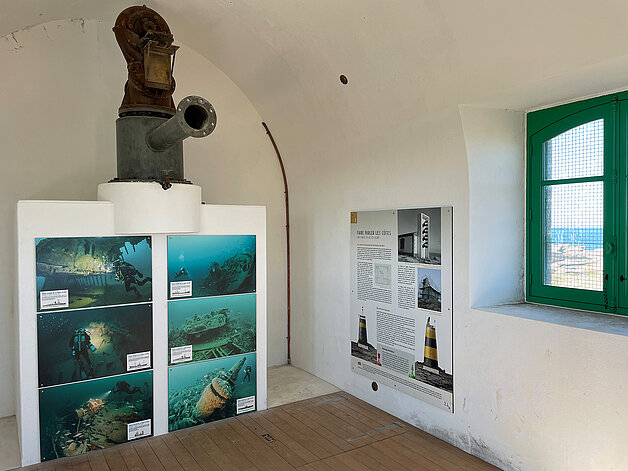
<point x="195" y="117"/>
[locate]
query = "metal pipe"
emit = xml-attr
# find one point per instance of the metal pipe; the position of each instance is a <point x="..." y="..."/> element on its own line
<point x="195" y="117"/>
<point x="285" y="186"/>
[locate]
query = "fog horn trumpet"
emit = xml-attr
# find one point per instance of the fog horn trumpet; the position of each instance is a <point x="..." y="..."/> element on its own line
<point x="150" y="130"/>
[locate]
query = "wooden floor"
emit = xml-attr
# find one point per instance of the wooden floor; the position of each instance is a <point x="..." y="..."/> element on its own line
<point x="332" y="432"/>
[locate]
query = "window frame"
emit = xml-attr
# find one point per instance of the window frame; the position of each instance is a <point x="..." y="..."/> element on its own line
<point x="542" y="126"/>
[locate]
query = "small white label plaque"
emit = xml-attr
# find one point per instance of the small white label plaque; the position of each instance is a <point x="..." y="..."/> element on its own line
<point x="138" y="429"/>
<point x="180" y="289"/>
<point x="56" y="299"/>
<point x="245" y="404"/>
<point x="180" y="354"/>
<point x="137" y="361"/>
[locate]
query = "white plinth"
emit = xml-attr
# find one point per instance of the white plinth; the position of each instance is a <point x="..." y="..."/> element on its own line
<point x="93" y="219"/>
<point x="141" y="208"/>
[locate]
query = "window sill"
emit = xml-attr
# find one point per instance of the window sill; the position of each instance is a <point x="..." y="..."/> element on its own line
<point x="586" y="320"/>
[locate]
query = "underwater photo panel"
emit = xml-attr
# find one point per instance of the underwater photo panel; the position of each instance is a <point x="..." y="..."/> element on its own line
<point x="210" y="265"/>
<point x="92" y="415"/>
<point x="206" y="328"/>
<point x="93" y="343"/>
<point x="211" y="390"/>
<point x="79" y="272"/>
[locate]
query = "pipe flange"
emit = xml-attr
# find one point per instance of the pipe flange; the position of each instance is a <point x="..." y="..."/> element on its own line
<point x="196" y="116"/>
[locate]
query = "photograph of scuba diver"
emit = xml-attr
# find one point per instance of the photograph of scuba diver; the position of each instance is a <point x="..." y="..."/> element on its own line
<point x="80" y="417"/>
<point x="81" y="345"/>
<point x="129" y="274"/>
<point x="205" y="391"/>
<point x="96" y="271"/>
<point x="91" y="343"/>
<point x="124" y="389"/>
<point x="182" y="273"/>
<point x="215" y="264"/>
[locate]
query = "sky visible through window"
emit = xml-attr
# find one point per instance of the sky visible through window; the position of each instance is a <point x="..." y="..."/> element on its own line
<point x="574" y="212"/>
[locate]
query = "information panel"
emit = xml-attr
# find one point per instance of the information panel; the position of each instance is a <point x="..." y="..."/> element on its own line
<point x="401" y="300"/>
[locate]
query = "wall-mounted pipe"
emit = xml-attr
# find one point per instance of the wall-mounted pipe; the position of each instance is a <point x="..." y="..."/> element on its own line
<point x="195" y="117"/>
<point x="285" y="187"/>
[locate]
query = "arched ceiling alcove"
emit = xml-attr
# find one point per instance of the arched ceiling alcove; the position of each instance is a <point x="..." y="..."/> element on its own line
<point x="391" y="138"/>
<point x="404" y="59"/>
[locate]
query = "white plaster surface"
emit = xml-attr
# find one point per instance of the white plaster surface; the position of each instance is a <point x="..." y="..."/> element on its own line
<point x="530" y="395"/>
<point x="62" y="84"/>
<point x="9" y="448"/>
<point x="287" y="384"/>
<point x="141" y="207"/>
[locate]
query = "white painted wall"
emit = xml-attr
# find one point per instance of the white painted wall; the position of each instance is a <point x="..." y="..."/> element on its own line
<point x="495" y="140"/>
<point x="411" y="64"/>
<point x="61" y="85"/>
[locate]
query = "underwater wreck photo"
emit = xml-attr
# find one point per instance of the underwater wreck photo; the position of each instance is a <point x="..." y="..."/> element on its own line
<point x="76" y="272"/>
<point x="92" y="415"/>
<point x="93" y="343"/>
<point x="214" y="327"/>
<point x="211" y="390"/>
<point x="214" y="265"/>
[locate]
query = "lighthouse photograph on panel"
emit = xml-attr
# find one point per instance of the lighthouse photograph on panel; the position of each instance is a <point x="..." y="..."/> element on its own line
<point x="427" y="369"/>
<point x="429" y="289"/>
<point x="419" y="235"/>
<point x="360" y="347"/>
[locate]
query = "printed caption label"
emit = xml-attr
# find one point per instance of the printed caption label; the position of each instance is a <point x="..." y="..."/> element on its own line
<point x="180" y="289"/>
<point x="56" y="299"/>
<point x="138" y="429"/>
<point x="180" y="354"/>
<point x="245" y="404"/>
<point x="137" y="361"/>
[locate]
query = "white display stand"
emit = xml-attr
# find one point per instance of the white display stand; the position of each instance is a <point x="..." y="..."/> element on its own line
<point x="145" y="208"/>
<point x="96" y="218"/>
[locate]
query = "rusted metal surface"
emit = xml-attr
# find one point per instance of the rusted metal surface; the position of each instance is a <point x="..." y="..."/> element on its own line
<point x="146" y="43"/>
<point x="150" y="130"/>
<point x="285" y="188"/>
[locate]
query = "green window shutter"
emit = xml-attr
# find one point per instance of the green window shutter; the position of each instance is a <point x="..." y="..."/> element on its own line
<point x="574" y="205"/>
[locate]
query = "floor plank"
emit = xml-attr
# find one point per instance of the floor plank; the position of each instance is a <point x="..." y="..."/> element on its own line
<point x="230" y="444"/>
<point x="258" y="449"/>
<point x="273" y="443"/>
<point x="131" y="458"/>
<point x="334" y="432"/>
<point x="164" y="454"/>
<point x="284" y="437"/>
<point x="97" y="461"/>
<point x="114" y="459"/>
<point x="192" y="440"/>
<point x="185" y="459"/>
<point x="147" y="455"/>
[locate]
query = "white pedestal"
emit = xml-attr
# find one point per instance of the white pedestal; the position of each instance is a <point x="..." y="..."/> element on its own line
<point x="146" y="208"/>
<point x="96" y="218"/>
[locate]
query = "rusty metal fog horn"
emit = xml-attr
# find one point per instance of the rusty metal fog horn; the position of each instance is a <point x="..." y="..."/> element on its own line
<point x="150" y="130"/>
